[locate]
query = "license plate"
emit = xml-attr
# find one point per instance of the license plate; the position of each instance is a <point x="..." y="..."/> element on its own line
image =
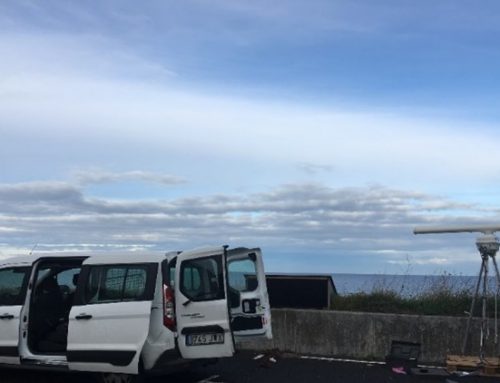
<point x="203" y="339"/>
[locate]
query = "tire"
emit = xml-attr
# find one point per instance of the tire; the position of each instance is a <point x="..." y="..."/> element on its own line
<point x="110" y="377"/>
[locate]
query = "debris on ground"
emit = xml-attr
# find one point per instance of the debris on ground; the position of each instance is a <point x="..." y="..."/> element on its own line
<point x="467" y="364"/>
<point x="268" y="358"/>
<point x="399" y="370"/>
<point x="429" y="371"/>
<point x="210" y="379"/>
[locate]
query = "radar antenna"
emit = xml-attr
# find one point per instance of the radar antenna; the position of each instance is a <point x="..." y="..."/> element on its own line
<point x="487" y="244"/>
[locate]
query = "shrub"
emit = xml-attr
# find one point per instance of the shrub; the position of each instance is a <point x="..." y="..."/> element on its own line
<point x="442" y="297"/>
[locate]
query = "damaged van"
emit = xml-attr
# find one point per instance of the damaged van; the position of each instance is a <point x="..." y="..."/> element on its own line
<point x="125" y="315"/>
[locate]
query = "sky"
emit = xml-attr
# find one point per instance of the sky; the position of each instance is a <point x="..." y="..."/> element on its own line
<point x="322" y="131"/>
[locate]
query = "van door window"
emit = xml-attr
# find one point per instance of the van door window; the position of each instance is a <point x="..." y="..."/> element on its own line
<point x="242" y="275"/>
<point x="202" y="279"/>
<point x="107" y="284"/>
<point x="13" y="282"/>
<point x="67" y="281"/>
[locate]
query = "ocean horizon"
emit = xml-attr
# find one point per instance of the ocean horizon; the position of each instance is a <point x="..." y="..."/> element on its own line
<point x="405" y="285"/>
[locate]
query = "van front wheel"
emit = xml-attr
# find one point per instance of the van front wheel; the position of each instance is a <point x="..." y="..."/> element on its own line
<point x="109" y="377"/>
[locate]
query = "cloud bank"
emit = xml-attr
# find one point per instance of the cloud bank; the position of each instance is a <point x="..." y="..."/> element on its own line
<point x="307" y="219"/>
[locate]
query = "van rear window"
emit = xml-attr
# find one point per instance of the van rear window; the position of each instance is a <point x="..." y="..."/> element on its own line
<point x="13" y="282"/>
<point x="202" y="278"/>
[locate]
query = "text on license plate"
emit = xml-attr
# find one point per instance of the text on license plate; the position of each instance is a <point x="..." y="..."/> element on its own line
<point x="202" y="339"/>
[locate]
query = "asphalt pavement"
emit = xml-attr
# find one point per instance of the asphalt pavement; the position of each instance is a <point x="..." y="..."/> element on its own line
<point x="248" y="367"/>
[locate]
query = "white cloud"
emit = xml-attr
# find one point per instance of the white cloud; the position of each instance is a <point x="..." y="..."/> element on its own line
<point x="73" y="99"/>
<point x="90" y="90"/>
<point x="312" y="169"/>
<point x="424" y="261"/>
<point x="361" y="147"/>
<point x="88" y="56"/>
<point x="99" y="176"/>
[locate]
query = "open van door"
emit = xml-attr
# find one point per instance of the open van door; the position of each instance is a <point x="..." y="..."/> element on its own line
<point x="249" y="299"/>
<point x="13" y="285"/>
<point x="203" y="323"/>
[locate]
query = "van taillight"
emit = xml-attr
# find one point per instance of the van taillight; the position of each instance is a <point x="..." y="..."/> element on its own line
<point x="168" y="308"/>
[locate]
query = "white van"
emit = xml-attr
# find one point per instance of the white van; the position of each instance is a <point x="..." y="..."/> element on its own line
<point x="124" y="315"/>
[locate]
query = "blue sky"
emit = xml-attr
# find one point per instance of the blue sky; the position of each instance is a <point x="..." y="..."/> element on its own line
<point x="322" y="131"/>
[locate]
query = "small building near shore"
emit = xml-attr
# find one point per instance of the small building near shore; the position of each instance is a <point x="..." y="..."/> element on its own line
<point x="304" y="291"/>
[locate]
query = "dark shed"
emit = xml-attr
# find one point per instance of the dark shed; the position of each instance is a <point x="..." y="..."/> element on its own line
<point x="308" y="291"/>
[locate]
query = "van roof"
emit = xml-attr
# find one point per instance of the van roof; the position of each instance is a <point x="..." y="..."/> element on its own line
<point x="125" y="258"/>
<point x="102" y="257"/>
<point x="96" y="257"/>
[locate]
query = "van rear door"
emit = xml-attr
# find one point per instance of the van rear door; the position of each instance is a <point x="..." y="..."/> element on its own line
<point x="202" y="312"/>
<point x="13" y="285"/>
<point x="249" y="299"/>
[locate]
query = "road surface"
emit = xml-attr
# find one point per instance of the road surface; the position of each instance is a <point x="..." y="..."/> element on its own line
<point x="268" y="369"/>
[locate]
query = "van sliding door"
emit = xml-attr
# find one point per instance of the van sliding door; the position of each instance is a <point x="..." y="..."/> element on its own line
<point x="109" y="323"/>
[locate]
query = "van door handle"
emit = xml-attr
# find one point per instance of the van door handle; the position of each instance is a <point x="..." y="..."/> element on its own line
<point x="7" y="316"/>
<point x="83" y="316"/>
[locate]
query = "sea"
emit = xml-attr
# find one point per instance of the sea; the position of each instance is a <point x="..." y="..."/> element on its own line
<point x="406" y="285"/>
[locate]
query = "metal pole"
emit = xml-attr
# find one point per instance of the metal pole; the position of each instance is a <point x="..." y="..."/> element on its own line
<point x="496" y="297"/>
<point x="484" y="323"/>
<point x="473" y="304"/>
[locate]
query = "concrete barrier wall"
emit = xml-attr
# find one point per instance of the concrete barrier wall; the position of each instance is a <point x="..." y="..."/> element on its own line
<point x="367" y="335"/>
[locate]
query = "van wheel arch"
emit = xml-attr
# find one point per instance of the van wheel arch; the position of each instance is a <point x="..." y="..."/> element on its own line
<point x="110" y="377"/>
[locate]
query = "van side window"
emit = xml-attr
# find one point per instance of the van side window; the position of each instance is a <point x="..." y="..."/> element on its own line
<point x="242" y="274"/>
<point x="13" y="282"/>
<point x="202" y="278"/>
<point x="107" y="284"/>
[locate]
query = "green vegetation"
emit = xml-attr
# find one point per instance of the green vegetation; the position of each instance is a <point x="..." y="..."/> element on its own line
<point x="438" y="303"/>
<point x="439" y="299"/>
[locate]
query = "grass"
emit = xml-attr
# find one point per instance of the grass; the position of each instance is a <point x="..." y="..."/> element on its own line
<point x="441" y="298"/>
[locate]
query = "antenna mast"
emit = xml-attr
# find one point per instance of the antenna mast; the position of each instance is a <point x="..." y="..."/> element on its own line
<point x="487" y="244"/>
<point x="33" y="249"/>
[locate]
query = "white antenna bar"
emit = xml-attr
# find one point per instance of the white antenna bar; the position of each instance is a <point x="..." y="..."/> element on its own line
<point x="485" y="229"/>
<point x="488" y="246"/>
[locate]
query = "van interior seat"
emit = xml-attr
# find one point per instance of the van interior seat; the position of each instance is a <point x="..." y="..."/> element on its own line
<point x="48" y="313"/>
